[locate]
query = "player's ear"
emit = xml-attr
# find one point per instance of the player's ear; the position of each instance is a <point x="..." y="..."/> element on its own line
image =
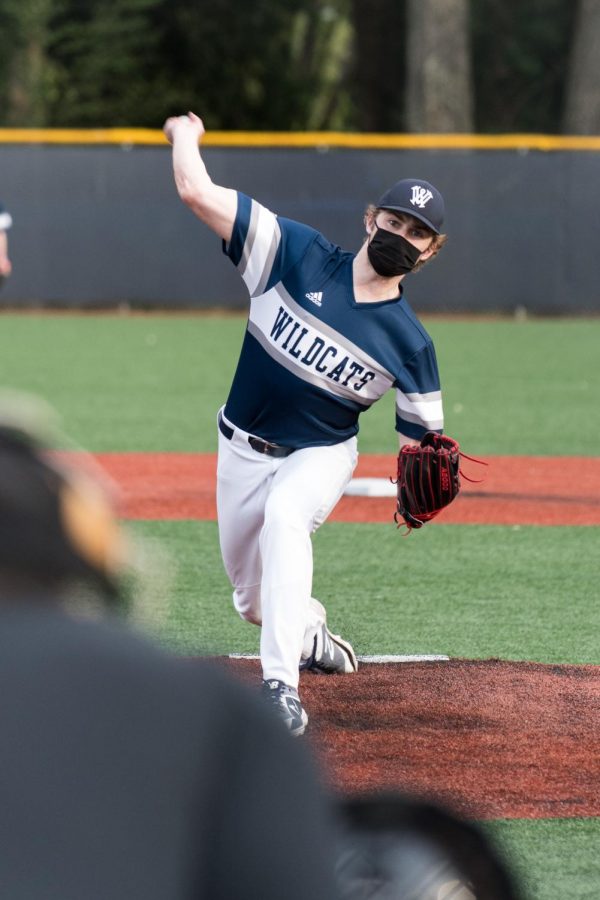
<point x="427" y="254"/>
<point x="369" y="221"/>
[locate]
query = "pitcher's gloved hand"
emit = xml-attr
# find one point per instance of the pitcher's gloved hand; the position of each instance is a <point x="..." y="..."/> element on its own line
<point x="427" y="480"/>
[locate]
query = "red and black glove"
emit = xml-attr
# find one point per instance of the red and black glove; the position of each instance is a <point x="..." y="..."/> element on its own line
<point x="428" y="479"/>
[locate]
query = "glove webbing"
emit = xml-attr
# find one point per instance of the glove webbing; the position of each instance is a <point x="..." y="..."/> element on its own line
<point x="447" y="471"/>
<point x="426" y="512"/>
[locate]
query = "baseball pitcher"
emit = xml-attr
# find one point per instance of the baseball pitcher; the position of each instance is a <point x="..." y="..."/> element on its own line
<point x="328" y="333"/>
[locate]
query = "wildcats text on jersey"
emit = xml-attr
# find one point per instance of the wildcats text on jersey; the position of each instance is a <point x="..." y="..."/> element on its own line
<point x="314" y="352"/>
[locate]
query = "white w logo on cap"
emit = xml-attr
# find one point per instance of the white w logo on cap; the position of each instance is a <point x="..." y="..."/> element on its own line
<point x="420" y="196"/>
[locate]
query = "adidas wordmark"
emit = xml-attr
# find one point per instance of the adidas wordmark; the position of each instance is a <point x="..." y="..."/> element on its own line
<point x="315" y="297"/>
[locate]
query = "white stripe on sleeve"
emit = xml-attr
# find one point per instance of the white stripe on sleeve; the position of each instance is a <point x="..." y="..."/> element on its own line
<point x="260" y="248"/>
<point x="422" y="409"/>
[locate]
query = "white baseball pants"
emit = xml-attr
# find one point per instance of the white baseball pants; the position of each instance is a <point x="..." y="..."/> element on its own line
<point x="267" y="510"/>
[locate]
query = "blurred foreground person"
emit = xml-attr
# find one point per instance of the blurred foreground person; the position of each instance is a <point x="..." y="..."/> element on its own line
<point x="125" y="773"/>
<point x="395" y="848"/>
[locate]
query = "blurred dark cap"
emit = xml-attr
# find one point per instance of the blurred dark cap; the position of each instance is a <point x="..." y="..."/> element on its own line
<point x="57" y="523"/>
<point x="392" y="847"/>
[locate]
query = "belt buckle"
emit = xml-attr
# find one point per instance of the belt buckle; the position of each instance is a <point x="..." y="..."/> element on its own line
<point x="261" y="446"/>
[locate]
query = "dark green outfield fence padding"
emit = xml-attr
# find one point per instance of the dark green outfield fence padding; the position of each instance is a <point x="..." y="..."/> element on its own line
<point x="100" y="224"/>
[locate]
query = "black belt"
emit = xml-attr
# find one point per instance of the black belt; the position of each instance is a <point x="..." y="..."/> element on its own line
<point x="256" y="443"/>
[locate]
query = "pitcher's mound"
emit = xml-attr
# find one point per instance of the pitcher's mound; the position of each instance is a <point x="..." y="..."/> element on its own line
<point x="487" y="738"/>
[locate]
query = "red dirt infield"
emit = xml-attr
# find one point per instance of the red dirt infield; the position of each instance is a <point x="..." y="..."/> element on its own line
<point x="517" y="490"/>
<point x="486" y="738"/>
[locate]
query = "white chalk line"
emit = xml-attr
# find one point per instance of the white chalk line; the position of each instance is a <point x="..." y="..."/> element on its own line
<point x="391" y="658"/>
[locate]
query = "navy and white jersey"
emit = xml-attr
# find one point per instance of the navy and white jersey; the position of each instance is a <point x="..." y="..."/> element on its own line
<point x="5" y="219"/>
<point x="313" y="358"/>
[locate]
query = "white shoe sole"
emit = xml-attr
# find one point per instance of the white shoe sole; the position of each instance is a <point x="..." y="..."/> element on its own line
<point x="348" y="651"/>
<point x="351" y="664"/>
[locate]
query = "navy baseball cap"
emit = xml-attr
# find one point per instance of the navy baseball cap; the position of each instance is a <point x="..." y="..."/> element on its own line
<point x="418" y="198"/>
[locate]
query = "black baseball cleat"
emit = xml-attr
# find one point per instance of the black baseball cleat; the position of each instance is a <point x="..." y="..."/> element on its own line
<point x="286" y="704"/>
<point x="331" y="655"/>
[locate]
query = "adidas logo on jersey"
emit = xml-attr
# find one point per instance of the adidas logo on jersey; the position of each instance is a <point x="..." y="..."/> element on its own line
<point x="315" y="297"/>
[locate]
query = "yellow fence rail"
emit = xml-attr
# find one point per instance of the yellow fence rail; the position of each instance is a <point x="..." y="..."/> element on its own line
<point x="323" y="139"/>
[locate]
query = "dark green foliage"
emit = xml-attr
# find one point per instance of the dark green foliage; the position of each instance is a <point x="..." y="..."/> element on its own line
<point x="378" y="72"/>
<point x="266" y="65"/>
<point x="108" y="61"/>
<point x="236" y="62"/>
<point x="520" y="57"/>
<point x="27" y="73"/>
<point x="262" y="65"/>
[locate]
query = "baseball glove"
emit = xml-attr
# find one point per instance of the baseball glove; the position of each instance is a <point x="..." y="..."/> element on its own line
<point x="428" y="479"/>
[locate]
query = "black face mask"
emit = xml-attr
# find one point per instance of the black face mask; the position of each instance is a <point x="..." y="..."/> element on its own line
<point x="391" y="254"/>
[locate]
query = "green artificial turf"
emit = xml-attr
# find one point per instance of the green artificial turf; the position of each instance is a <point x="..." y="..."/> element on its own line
<point x="131" y="382"/>
<point x="461" y="590"/>
<point x="183" y="595"/>
<point x="128" y="382"/>
<point x="553" y="859"/>
<point x="522" y="388"/>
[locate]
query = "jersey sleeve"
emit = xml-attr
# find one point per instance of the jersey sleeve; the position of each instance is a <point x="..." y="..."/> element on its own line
<point x="263" y="246"/>
<point x="418" y="396"/>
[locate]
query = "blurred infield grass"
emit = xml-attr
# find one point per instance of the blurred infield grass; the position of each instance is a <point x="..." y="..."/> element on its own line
<point x="553" y="859"/>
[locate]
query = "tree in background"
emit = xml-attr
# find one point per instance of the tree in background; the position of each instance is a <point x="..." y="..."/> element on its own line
<point x="330" y="55"/>
<point x="582" y="108"/>
<point x="27" y="73"/>
<point x="438" y="53"/>
<point x="261" y="65"/>
<point x="366" y="65"/>
<point x="520" y="57"/>
<point x="107" y="60"/>
<point x="377" y="74"/>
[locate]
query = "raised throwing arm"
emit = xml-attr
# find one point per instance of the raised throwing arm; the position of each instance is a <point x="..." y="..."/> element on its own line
<point x="216" y="206"/>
